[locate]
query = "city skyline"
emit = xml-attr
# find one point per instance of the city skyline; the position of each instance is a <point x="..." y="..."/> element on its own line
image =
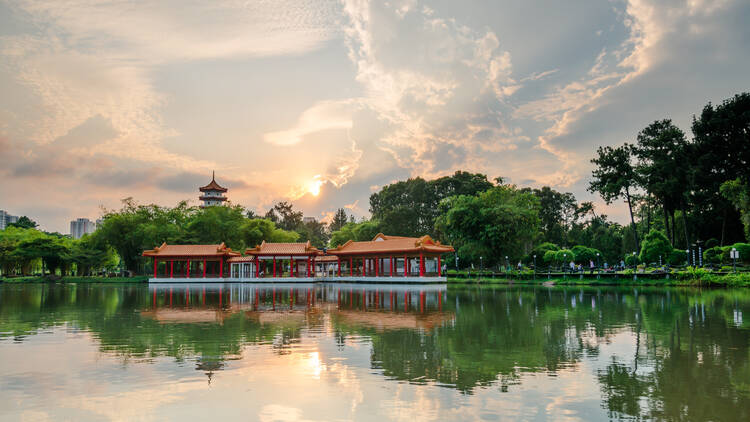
<point x="321" y="103"/>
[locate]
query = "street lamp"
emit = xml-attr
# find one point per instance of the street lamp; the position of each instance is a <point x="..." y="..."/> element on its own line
<point x="687" y="257"/>
<point x="565" y="258"/>
<point x="634" y="262"/>
<point x="480" y="266"/>
<point x="507" y="264"/>
<point x="534" y="267"/>
<point x="734" y="254"/>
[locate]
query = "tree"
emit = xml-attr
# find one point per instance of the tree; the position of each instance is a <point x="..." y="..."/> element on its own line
<point x="365" y="230"/>
<point x="662" y="169"/>
<point x="24" y="223"/>
<point x="556" y="212"/>
<point x="500" y="221"/>
<point x="738" y="193"/>
<point x="410" y="208"/>
<point x="213" y="225"/>
<point x="614" y="177"/>
<point x="338" y="221"/>
<point x="655" y="246"/>
<point x="287" y="219"/>
<point x="255" y="231"/>
<point x="315" y="232"/>
<point x="720" y="152"/>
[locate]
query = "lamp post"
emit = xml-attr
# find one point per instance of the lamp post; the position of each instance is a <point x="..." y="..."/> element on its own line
<point x="565" y="258"/>
<point x="598" y="268"/>
<point x="480" y="266"/>
<point x="507" y="264"/>
<point x="687" y="257"/>
<point x="734" y="254"/>
<point x="456" y="261"/>
<point x="534" y="267"/>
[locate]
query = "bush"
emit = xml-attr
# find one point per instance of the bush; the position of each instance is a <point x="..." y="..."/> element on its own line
<point x="563" y="256"/>
<point x="631" y="260"/>
<point x="677" y="257"/>
<point x="711" y="243"/>
<point x="655" y="245"/>
<point x="713" y="255"/>
<point x="585" y="254"/>
<point x="744" y="249"/>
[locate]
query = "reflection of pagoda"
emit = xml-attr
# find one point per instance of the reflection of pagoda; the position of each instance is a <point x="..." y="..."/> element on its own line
<point x="212" y="194"/>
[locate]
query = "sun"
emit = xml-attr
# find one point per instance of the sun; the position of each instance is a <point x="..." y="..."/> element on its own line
<point x="313" y="187"/>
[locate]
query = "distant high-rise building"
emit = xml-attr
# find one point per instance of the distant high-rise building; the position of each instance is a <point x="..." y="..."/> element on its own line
<point x="81" y="226"/>
<point x="212" y="194"/>
<point x="6" y="219"/>
<point x="308" y="220"/>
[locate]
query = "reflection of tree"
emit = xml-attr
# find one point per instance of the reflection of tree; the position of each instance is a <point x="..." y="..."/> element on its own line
<point x="690" y="358"/>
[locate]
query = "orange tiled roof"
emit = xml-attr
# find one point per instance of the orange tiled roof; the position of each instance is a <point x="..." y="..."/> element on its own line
<point x="391" y="244"/>
<point x="283" y="249"/>
<point x="191" y="250"/>
<point x="213" y="186"/>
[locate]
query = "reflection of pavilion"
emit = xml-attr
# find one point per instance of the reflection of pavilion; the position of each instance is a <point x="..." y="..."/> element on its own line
<point x="271" y="303"/>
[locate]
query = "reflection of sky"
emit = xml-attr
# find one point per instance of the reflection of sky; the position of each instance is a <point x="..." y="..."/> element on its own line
<point x="61" y="374"/>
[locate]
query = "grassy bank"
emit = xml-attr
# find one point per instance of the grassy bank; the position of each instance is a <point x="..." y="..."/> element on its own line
<point x="33" y="279"/>
<point x="680" y="279"/>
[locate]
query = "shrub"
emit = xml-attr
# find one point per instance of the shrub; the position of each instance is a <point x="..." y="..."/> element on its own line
<point x="563" y="256"/>
<point x="654" y="246"/>
<point x="744" y="249"/>
<point x="631" y="260"/>
<point x="713" y="255"/>
<point x="585" y="254"/>
<point x="677" y="257"/>
<point x="711" y="243"/>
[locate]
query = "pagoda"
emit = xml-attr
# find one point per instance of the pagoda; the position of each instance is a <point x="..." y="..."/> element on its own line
<point x="212" y="194"/>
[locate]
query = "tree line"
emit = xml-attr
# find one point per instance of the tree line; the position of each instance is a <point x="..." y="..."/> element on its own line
<point x="680" y="193"/>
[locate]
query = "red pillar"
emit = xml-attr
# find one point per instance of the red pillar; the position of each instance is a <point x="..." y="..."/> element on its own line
<point x="406" y="266"/>
<point x="376" y="261"/>
<point x="421" y="264"/>
<point x="439" y="269"/>
<point x="221" y="268"/>
<point x="156" y="265"/>
<point x="257" y="267"/>
<point x="274" y="266"/>
<point x="308" y="266"/>
<point x="390" y="273"/>
<point x="338" y="258"/>
<point x="188" y="269"/>
<point x="351" y="270"/>
<point x="204" y="268"/>
<point x="171" y="268"/>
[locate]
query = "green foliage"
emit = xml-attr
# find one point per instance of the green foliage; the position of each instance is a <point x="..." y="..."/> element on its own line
<point x="541" y="249"/>
<point x="212" y="225"/>
<point x="500" y="221"/>
<point x="410" y="208"/>
<point x="365" y="230"/>
<point x="24" y="223"/>
<point x="677" y="257"/>
<point x="655" y="246"/>
<point x="315" y="232"/>
<point x="738" y="193"/>
<point x="338" y="221"/>
<point x="584" y="255"/>
<point x="563" y="257"/>
<point x="631" y="260"/>
<point x="714" y="255"/>
<point x="557" y="211"/>
<point x="744" y="251"/>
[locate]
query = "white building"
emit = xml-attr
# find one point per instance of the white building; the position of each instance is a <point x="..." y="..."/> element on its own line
<point x="308" y="220"/>
<point x="81" y="226"/>
<point x="212" y="194"/>
<point x="6" y="219"/>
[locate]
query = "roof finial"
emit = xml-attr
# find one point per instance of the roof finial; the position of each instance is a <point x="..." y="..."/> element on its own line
<point x="213" y="175"/>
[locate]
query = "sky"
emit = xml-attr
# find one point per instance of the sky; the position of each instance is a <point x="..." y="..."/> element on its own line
<point x="322" y="102"/>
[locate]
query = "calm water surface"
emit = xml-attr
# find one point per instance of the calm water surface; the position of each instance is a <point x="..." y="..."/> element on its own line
<point x="363" y="352"/>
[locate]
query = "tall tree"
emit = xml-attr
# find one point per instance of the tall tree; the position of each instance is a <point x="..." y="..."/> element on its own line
<point x="24" y="223"/>
<point x="557" y="211"/>
<point x="338" y="221"/>
<point x="662" y="169"/>
<point x="614" y="177"/>
<point x="409" y="208"/>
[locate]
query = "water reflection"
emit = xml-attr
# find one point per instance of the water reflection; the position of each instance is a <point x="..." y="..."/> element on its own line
<point x="648" y="353"/>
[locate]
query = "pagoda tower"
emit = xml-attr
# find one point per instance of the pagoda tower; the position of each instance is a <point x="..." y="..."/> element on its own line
<point x="212" y="194"/>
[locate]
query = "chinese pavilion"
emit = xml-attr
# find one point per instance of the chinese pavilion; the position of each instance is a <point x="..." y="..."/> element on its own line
<point x="212" y="194"/>
<point x="191" y="261"/>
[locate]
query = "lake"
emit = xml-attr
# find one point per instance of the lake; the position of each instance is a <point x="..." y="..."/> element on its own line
<point x="372" y="352"/>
